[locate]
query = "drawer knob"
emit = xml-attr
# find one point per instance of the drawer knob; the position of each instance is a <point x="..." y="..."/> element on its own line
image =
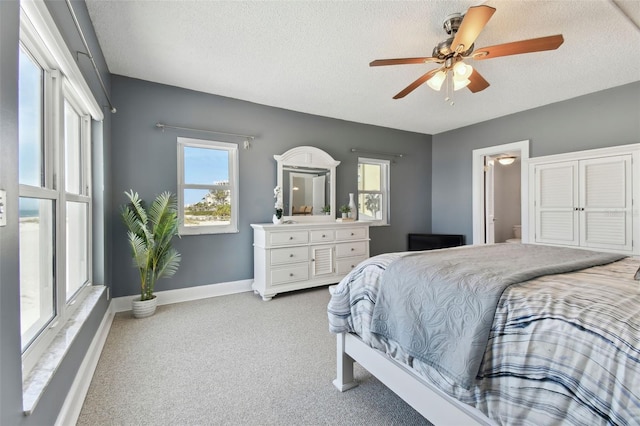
<point x="291" y="238"/>
<point x="352" y="249"/>
<point x="324" y="236"/>
<point x="291" y="274"/>
<point x="291" y="255"/>
<point x="352" y="234"/>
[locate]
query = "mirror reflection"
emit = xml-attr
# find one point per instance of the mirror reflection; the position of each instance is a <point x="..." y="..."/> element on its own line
<point x="306" y="191"/>
<point x="307" y="177"/>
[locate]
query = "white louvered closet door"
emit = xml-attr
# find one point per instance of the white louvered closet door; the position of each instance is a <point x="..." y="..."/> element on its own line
<point x="606" y="203"/>
<point x="322" y="260"/>
<point x="556" y="199"/>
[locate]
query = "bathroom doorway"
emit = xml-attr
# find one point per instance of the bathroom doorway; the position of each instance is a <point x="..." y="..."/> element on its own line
<point x="500" y="193"/>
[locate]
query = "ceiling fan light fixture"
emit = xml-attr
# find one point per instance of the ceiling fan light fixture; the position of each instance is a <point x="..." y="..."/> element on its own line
<point x="437" y="80"/>
<point x="460" y="83"/>
<point x="462" y="70"/>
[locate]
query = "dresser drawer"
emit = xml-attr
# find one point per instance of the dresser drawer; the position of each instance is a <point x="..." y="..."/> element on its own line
<point x="289" y="255"/>
<point x="358" y="248"/>
<point x="344" y="266"/>
<point x="351" y="233"/>
<point x="321" y="236"/>
<point x="289" y="275"/>
<point x="292" y="238"/>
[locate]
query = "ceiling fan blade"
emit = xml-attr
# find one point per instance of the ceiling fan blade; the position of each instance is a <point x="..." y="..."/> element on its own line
<point x="518" y="47"/>
<point x="402" y="61"/>
<point x="478" y="82"/>
<point x="410" y="88"/>
<point x="472" y="24"/>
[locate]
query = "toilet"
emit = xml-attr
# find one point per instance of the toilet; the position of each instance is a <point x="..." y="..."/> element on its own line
<point x="517" y="233"/>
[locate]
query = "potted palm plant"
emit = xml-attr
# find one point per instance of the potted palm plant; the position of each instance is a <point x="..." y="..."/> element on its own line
<point x="149" y="234"/>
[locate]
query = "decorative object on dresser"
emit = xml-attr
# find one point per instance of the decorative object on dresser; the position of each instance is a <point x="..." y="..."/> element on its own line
<point x="353" y="211"/>
<point x="303" y="255"/>
<point x="277" y="216"/>
<point x="345" y="210"/>
<point x="149" y="234"/>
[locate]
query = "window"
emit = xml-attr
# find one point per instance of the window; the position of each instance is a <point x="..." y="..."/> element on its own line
<point x="207" y="186"/>
<point x="373" y="190"/>
<point x="54" y="198"/>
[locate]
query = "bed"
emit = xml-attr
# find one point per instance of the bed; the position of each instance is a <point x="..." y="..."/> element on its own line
<point x="555" y="338"/>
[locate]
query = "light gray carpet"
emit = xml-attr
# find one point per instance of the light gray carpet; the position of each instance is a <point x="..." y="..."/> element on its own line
<point x="233" y="360"/>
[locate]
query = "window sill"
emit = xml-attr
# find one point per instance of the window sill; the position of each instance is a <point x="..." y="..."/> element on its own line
<point x="36" y="382"/>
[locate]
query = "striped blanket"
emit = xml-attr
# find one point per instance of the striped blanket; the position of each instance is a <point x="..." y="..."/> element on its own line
<point x="562" y="348"/>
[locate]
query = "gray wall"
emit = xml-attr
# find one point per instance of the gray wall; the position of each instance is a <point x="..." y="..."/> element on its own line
<point x="10" y="358"/>
<point x="607" y="118"/>
<point x="144" y="158"/>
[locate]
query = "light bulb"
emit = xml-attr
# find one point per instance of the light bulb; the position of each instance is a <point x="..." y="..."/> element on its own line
<point x="505" y="161"/>
<point x="436" y="81"/>
<point x="462" y="70"/>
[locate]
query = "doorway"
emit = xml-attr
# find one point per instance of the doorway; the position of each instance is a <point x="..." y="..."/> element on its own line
<point x="491" y="221"/>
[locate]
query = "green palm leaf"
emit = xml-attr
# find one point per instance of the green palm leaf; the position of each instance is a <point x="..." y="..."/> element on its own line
<point x="149" y="235"/>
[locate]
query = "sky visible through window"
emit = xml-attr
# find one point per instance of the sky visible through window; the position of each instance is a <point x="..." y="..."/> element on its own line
<point x="30" y="119"/>
<point x="204" y="166"/>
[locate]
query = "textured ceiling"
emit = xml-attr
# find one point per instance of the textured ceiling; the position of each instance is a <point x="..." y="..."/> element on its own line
<point x="313" y="56"/>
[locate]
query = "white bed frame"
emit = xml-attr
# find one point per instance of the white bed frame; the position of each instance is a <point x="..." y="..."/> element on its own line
<point x="436" y="406"/>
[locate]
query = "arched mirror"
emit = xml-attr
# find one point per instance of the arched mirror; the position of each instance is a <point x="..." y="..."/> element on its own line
<point x="307" y="178"/>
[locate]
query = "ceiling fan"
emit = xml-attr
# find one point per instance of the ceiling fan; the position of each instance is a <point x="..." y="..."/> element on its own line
<point x="450" y="53"/>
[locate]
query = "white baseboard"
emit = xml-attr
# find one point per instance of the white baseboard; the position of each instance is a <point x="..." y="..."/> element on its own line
<point x="122" y="304"/>
<point x="70" y="410"/>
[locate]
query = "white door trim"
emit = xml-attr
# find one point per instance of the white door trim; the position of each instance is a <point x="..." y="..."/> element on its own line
<point x="478" y="187"/>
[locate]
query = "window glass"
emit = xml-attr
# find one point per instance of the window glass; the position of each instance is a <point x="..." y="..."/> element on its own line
<point x="373" y="190"/>
<point x="370" y="175"/>
<point x="207" y="186"/>
<point x="77" y="247"/>
<point x="72" y="149"/>
<point x="30" y="121"/>
<point x="205" y="165"/>
<point x="37" y="301"/>
<point x="54" y="195"/>
<point x="207" y="207"/>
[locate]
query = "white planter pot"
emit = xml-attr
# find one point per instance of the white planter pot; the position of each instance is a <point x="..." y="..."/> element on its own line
<point x="144" y="308"/>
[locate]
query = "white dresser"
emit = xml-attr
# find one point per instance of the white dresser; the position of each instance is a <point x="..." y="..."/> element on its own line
<point x="302" y="255"/>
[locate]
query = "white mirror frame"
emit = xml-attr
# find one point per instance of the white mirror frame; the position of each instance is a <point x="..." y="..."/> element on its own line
<point x="309" y="156"/>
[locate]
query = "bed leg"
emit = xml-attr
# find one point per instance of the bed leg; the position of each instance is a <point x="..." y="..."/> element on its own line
<point x="344" y="380"/>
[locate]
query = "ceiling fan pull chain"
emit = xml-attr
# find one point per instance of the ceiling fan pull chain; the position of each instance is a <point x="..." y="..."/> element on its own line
<point x="449" y="84"/>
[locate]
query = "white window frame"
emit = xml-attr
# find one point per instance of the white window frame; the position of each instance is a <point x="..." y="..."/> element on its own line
<point x="385" y="189"/>
<point x="62" y="79"/>
<point x="232" y="150"/>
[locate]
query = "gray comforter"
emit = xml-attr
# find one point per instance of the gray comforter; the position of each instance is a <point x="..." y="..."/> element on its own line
<point x="439" y="305"/>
